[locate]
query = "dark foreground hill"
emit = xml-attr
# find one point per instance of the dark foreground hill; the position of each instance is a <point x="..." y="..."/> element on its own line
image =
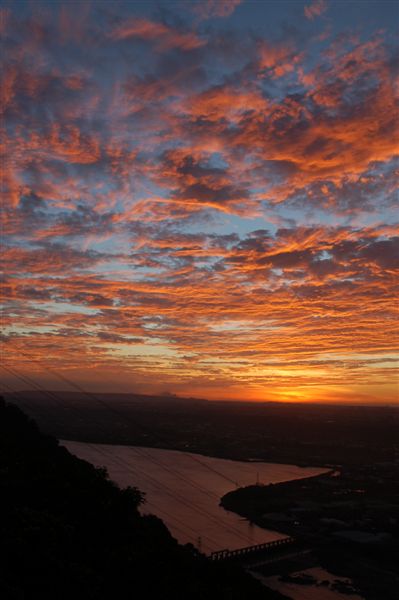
<point x="68" y="532"/>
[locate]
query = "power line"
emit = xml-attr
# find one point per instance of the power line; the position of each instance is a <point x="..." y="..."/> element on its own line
<point x="175" y="495"/>
<point x="182" y="527"/>
<point x="92" y="395"/>
<point x="139" y="451"/>
<point x="136" y="470"/>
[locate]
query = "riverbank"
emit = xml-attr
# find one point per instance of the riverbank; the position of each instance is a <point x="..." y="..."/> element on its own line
<point x="303" y="435"/>
<point x="67" y="532"/>
<point x="185" y="489"/>
<point x="349" y="520"/>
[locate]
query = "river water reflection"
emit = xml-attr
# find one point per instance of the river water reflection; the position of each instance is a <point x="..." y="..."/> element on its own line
<point x="184" y="490"/>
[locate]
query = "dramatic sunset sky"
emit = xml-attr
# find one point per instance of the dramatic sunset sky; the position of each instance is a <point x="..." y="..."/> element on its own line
<point x="199" y="197"/>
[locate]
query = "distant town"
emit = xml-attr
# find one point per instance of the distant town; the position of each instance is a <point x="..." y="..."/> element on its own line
<point x="345" y="521"/>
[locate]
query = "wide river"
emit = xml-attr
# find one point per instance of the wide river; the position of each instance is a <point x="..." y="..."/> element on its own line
<point x="184" y="490"/>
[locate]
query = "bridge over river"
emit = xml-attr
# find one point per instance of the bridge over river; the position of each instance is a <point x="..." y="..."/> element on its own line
<point x="266" y="548"/>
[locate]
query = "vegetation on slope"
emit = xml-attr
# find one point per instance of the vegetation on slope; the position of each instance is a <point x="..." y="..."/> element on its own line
<point x="68" y="532"/>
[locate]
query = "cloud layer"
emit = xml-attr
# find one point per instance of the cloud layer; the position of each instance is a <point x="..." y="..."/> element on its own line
<point x="191" y="201"/>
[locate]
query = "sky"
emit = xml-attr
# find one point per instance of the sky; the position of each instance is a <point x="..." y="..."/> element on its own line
<point x="198" y="198"/>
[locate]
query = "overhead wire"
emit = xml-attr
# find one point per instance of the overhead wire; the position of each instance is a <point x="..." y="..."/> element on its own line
<point x="142" y="452"/>
<point x="142" y="474"/>
<point x="199" y="509"/>
<point x="178" y="524"/>
<point x="138" y="450"/>
<point x="92" y="395"/>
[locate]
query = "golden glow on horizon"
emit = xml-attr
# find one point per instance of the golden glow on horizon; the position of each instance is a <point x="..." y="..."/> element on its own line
<point x="170" y="226"/>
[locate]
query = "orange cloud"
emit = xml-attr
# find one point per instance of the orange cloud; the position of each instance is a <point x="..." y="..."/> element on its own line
<point x="163" y="36"/>
<point x="224" y="103"/>
<point x="206" y="9"/>
<point x="277" y="60"/>
<point x="315" y="9"/>
<point x="217" y="210"/>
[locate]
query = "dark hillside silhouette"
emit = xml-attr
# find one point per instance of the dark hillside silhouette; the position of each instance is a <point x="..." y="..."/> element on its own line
<point x="69" y="532"/>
